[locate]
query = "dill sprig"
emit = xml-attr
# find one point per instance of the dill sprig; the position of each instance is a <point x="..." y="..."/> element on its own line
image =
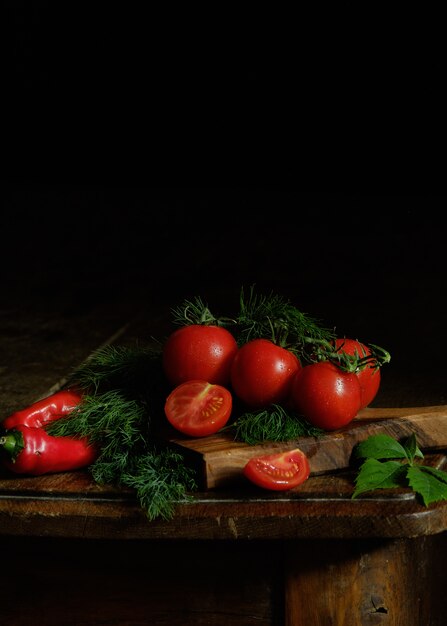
<point x="274" y="423"/>
<point x="196" y="311"/>
<point x="108" y="419"/>
<point x="273" y="317"/>
<point x="123" y="429"/>
<point x="100" y="416"/>
<point x="136" y="372"/>
<point x="130" y="368"/>
<point x="161" y="481"/>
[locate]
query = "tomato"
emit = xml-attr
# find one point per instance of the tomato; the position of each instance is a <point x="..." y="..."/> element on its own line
<point x="325" y="395"/>
<point x="262" y="372"/>
<point x="280" y="471"/>
<point x="369" y="377"/>
<point x="198" y="408"/>
<point x="199" y="352"/>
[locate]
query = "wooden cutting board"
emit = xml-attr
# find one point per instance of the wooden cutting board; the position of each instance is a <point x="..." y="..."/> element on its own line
<point x="221" y="459"/>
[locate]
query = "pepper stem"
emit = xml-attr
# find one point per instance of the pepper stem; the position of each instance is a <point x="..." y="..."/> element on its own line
<point x="12" y="443"/>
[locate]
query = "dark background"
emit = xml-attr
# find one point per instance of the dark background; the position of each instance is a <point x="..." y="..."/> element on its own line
<point x="371" y="266"/>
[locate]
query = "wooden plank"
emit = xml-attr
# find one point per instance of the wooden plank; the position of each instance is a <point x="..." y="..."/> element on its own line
<point x="221" y="458"/>
<point x="348" y="579"/>
<point x="320" y="508"/>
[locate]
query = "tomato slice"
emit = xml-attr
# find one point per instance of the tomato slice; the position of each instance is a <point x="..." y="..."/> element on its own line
<point x="280" y="471"/>
<point x="198" y="408"/>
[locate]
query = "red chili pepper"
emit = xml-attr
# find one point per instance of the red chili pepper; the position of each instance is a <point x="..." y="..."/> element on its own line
<point x="33" y="451"/>
<point x="44" y="411"/>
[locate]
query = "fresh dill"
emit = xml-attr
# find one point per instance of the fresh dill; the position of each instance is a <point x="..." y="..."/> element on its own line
<point x="133" y="369"/>
<point x="108" y="419"/>
<point x="161" y="480"/>
<point x="274" y="423"/>
<point x="272" y="317"/>
<point x="120" y="413"/>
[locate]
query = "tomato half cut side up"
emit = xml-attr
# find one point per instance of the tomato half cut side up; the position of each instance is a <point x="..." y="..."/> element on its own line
<point x="198" y="408"/>
<point x="280" y="471"/>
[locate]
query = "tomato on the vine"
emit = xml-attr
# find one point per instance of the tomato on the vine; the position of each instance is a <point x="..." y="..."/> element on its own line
<point x="280" y="471"/>
<point x="198" y="408"/>
<point x="199" y="352"/>
<point x="325" y="395"/>
<point x="369" y="376"/>
<point x="262" y="372"/>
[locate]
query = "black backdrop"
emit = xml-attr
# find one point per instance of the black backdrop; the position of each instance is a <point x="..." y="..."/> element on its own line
<point x="373" y="266"/>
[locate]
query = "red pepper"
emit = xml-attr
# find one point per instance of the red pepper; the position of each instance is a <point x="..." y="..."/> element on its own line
<point x="44" y="411"/>
<point x="33" y="451"/>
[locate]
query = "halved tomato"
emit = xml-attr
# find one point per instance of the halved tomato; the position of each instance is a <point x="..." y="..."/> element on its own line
<point x="280" y="471"/>
<point x="198" y="408"/>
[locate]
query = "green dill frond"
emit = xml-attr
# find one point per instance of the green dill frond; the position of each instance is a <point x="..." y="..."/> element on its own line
<point x="272" y="317"/>
<point x="274" y="423"/>
<point x="109" y="468"/>
<point x="127" y="457"/>
<point x="121" y="429"/>
<point x="108" y="419"/>
<point x="161" y="480"/>
<point x="130" y="369"/>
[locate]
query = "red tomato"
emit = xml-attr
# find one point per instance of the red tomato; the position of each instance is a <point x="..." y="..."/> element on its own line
<point x="262" y="373"/>
<point x="369" y="377"/>
<point x="198" y="408"/>
<point x="199" y="352"/>
<point x="279" y="472"/>
<point x="325" y="395"/>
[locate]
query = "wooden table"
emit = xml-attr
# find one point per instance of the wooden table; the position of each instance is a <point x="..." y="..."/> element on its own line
<point x="76" y="553"/>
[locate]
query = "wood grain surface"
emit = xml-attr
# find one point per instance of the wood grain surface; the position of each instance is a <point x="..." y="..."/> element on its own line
<point x="222" y="459"/>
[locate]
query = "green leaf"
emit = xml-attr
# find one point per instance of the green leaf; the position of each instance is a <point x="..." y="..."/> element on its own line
<point x="439" y="474"/>
<point x="429" y="483"/>
<point x="380" y="447"/>
<point x="374" y="474"/>
<point x="411" y="448"/>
